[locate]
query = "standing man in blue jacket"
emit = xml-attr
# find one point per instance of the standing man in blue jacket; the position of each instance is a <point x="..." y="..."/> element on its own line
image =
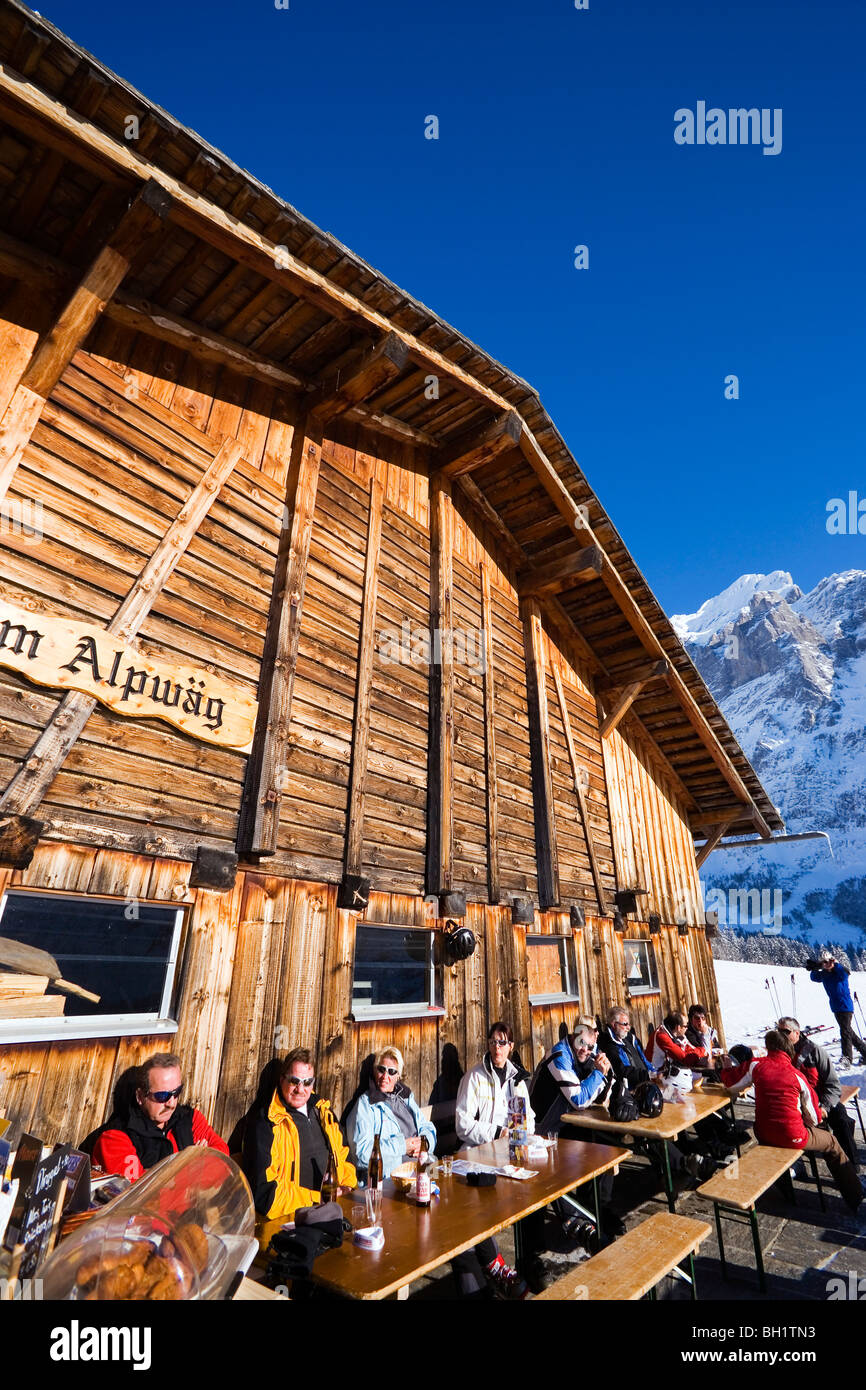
<point x="828" y="972"/>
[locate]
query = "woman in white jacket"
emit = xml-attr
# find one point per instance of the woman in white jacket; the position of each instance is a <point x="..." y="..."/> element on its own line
<point x="489" y="1091"/>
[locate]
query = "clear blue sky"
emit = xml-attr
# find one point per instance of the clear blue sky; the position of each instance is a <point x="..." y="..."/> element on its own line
<point x="556" y="129"/>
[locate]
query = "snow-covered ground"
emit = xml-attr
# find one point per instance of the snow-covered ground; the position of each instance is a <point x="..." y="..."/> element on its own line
<point x="749" y="1008"/>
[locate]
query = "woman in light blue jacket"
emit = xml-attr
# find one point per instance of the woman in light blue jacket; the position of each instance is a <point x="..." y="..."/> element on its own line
<point x="389" y="1109"/>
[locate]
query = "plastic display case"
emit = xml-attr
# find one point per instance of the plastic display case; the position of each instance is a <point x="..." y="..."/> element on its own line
<point x="186" y="1230"/>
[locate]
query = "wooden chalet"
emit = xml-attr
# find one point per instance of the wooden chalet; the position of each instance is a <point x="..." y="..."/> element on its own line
<point x="244" y="478"/>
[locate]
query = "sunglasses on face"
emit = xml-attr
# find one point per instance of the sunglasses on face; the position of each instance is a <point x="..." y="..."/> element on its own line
<point x="163" y="1097"/>
<point x="297" y="1083"/>
<point x="499" y="1042"/>
<point x="389" y="1071"/>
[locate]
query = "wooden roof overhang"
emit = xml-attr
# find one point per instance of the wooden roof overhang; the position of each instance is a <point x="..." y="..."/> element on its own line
<point x="232" y="274"/>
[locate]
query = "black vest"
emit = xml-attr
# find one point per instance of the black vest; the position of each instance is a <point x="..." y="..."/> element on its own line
<point x="149" y="1141"/>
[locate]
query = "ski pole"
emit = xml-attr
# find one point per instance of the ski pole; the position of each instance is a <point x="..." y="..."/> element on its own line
<point x="793" y="994"/>
<point x="860" y="1007"/>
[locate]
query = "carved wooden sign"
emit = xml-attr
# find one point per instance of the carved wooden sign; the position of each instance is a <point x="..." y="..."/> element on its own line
<point x="130" y="679"/>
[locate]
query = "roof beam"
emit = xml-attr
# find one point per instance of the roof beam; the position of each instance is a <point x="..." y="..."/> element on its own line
<point x="712" y="840"/>
<point x="371" y="371"/>
<point x="620" y="708"/>
<point x="620" y="679"/>
<point x="476" y="447"/>
<point x="565" y="573"/>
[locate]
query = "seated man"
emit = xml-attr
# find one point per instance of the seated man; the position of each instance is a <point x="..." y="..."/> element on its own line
<point x="155" y="1126"/>
<point x="816" y="1065"/>
<point x="573" y="1077"/>
<point x="622" y="1049"/>
<point x="670" y="1044"/>
<point x="700" y="1033"/>
<point x="289" y="1142"/>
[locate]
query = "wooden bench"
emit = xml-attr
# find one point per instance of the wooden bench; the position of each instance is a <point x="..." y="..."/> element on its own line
<point x="734" y="1191"/>
<point x="850" y="1093"/>
<point x="636" y="1263"/>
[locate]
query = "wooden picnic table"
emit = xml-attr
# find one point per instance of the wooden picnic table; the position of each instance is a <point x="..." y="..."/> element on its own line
<point x="665" y="1128"/>
<point x="419" y="1239"/>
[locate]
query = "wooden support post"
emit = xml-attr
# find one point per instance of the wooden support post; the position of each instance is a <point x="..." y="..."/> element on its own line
<point x="361" y="736"/>
<point x="259" y="820"/>
<point x="57" y="348"/>
<point x="490" y="740"/>
<point x="440" y="776"/>
<point x="713" y="838"/>
<point x="38" y="770"/>
<point x="621" y="706"/>
<point x="578" y="789"/>
<point x="476" y="447"/>
<point x="539" y="737"/>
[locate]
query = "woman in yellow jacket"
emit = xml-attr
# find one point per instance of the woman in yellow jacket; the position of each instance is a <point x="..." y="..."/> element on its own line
<point x="288" y="1144"/>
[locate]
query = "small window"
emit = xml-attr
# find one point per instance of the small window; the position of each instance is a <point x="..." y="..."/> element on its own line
<point x="122" y="950"/>
<point x="641" y="976"/>
<point x="394" y="974"/>
<point x="550" y="968"/>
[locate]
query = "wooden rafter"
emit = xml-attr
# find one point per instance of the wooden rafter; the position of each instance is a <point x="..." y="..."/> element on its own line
<point x="539" y="741"/>
<point x="641" y="672"/>
<point x="366" y="651"/>
<point x="491" y="798"/>
<point x="476" y="447"/>
<point x="41" y="765"/>
<point x="440" y="776"/>
<point x="578" y="790"/>
<point x="370" y="372"/>
<point x="259" y="820"/>
<point x="565" y="573"/>
<point x="55" y="350"/>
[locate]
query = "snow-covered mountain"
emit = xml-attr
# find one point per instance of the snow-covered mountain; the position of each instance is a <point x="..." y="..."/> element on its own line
<point x="788" y="670"/>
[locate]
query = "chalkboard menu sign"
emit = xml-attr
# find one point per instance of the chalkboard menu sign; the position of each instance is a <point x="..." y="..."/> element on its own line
<point x="38" y="1219"/>
<point x="26" y="1159"/>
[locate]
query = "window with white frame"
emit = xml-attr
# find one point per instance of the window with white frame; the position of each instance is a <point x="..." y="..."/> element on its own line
<point x="550" y="969"/>
<point x="121" y="952"/>
<point x="394" y="974"/>
<point x="641" y="975"/>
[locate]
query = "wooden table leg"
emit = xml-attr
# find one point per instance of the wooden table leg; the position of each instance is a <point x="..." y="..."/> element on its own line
<point x="668" y="1180"/>
<point x="721" y="1240"/>
<point x="402" y="1293"/>
<point x="759" y="1256"/>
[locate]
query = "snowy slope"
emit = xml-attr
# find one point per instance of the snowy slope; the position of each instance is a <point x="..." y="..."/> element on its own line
<point x="749" y="1009"/>
<point x="789" y="672"/>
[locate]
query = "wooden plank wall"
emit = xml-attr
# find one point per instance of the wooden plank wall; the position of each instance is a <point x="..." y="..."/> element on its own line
<point x="653" y="843"/>
<point x="114" y="456"/>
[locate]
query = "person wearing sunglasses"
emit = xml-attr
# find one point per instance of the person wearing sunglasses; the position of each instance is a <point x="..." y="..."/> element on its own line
<point x="289" y="1141"/>
<point x="389" y="1109"/>
<point x="156" y="1125"/>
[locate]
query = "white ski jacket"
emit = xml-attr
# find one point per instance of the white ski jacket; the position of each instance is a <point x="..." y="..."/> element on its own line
<point x="482" y="1104"/>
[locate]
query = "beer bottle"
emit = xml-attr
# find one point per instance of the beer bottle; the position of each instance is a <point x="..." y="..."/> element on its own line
<point x="375" y="1168"/>
<point x="422" y="1176"/>
<point x="330" y="1182"/>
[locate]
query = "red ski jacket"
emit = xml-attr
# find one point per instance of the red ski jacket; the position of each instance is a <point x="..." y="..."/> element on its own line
<point x="786" y="1107"/>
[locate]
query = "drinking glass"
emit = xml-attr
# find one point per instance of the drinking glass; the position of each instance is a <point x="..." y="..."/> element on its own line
<point x="373" y="1204"/>
<point x="445" y="1165"/>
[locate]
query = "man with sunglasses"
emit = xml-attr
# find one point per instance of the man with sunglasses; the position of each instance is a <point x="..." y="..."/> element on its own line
<point x="289" y="1141"/>
<point x="815" y="1063"/>
<point x="156" y="1126"/>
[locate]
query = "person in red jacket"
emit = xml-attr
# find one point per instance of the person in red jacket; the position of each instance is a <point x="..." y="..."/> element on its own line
<point x="787" y="1114"/>
<point x="671" y="1045"/>
<point x="155" y="1126"/>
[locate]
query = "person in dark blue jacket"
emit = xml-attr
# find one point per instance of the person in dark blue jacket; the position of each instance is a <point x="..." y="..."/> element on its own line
<point x="834" y="977"/>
